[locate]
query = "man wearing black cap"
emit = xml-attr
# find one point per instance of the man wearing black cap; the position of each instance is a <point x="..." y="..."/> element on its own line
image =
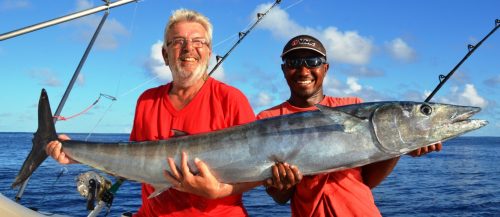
<point x="341" y="193"/>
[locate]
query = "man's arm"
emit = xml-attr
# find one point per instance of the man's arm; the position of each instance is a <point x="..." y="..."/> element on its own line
<point x="203" y="184"/>
<point x="373" y="174"/>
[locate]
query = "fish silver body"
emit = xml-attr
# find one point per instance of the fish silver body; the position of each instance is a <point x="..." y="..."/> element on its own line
<point x="325" y="140"/>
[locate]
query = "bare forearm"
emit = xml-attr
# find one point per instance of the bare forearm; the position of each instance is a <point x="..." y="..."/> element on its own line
<point x="375" y="173"/>
<point x="236" y="188"/>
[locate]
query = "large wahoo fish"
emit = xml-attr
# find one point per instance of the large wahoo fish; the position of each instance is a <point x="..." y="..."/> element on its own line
<point x="325" y="140"/>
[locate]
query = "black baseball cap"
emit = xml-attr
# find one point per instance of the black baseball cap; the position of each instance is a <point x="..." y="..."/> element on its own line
<point x="304" y="42"/>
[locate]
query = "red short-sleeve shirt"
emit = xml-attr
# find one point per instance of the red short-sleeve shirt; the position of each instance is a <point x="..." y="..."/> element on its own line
<point x="216" y="106"/>
<point x="340" y="193"/>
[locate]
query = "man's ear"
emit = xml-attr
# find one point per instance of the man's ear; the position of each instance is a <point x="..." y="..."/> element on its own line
<point x="164" y="53"/>
<point x="327" y="66"/>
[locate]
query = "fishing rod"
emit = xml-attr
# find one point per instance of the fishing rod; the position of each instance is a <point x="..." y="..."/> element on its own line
<point x="68" y="90"/>
<point x="108" y="5"/>
<point x="242" y="35"/>
<point x="472" y="48"/>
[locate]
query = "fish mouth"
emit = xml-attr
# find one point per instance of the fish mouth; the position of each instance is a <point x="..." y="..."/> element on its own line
<point x="461" y="122"/>
<point x="464" y="113"/>
<point x="464" y="117"/>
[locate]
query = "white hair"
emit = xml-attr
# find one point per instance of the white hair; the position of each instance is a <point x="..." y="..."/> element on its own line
<point x="181" y="15"/>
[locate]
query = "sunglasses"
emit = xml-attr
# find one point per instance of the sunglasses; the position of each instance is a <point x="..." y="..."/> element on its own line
<point x="310" y="62"/>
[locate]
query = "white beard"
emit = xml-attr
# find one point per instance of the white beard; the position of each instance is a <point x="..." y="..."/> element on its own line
<point x="184" y="78"/>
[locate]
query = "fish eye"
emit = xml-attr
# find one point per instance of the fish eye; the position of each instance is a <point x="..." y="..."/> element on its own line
<point x="426" y="109"/>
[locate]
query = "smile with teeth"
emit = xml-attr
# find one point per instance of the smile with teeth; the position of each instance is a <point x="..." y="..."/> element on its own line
<point x="189" y="59"/>
<point x="304" y="82"/>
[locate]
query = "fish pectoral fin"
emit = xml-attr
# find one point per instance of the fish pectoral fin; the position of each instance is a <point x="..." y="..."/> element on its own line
<point x="178" y="133"/>
<point x="158" y="190"/>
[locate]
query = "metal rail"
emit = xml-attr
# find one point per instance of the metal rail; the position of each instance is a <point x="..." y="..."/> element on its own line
<point x="62" y="19"/>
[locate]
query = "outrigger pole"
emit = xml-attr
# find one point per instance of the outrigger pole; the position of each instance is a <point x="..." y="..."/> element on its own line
<point x="82" y="61"/>
<point x="472" y="48"/>
<point x="55" y="21"/>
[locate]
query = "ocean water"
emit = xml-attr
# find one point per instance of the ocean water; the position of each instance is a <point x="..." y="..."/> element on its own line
<point x="461" y="180"/>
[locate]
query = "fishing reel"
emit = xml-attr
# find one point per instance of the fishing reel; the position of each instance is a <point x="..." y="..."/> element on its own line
<point x="94" y="187"/>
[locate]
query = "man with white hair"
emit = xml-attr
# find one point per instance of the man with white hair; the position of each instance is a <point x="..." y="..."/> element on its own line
<point x="193" y="103"/>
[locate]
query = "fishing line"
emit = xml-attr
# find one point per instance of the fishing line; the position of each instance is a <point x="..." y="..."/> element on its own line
<point x="114" y="99"/>
<point x="293" y="4"/>
<point x="99" y="121"/>
<point x="133" y="17"/>
<point x="62" y="171"/>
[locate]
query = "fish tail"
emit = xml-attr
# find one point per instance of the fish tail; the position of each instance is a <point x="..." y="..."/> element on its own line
<point x="44" y="134"/>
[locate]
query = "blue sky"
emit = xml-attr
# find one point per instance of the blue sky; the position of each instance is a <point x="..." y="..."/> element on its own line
<point x="378" y="50"/>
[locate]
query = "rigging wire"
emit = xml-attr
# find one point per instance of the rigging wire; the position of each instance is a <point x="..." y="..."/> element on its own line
<point x="62" y="118"/>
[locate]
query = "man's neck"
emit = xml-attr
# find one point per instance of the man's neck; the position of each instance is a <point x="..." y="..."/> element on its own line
<point x="181" y="96"/>
<point x="305" y="102"/>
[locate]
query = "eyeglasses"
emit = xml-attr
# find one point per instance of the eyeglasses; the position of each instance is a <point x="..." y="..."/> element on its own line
<point x="310" y="62"/>
<point x="181" y="42"/>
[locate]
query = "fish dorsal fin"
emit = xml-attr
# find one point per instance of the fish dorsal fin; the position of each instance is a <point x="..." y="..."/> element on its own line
<point x="342" y="117"/>
<point x="361" y="110"/>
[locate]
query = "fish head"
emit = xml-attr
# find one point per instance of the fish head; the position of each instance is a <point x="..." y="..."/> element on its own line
<point x="401" y="127"/>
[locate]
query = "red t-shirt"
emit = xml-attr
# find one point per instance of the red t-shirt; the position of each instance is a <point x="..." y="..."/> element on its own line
<point x="216" y="106"/>
<point x="340" y="193"/>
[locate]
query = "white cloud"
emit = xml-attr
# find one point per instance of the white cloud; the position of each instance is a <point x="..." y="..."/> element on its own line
<point x="45" y="77"/>
<point x="341" y="46"/>
<point x="334" y="87"/>
<point x="347" y="47"/>
<point x="354" y="87"/>
<point x="156" y="66"/>
<point x="83" y="4"/>
<point x="13" y="4"/>
<point x="400" y="50"/>
<point x="468" y="96"/>
<point x="350" y="88"/>
<point x="264" y="99"/>
<point x="86" y="26"/>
